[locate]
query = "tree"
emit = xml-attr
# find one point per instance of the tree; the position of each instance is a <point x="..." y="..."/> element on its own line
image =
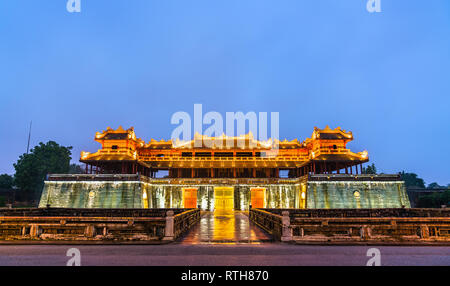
<point x="435" y="186"/>
<point x="434" y="200"/>
<point x="426" y="201"/>
<point x="371" y="169"/>
<point x="32" y="168"/>
<point x="6" y="181"/>
<point x="76" y="169"/>
<point x="412" y="180"/>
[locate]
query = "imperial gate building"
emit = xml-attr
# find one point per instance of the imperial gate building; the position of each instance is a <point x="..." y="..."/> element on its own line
<point x="224" y="172"/>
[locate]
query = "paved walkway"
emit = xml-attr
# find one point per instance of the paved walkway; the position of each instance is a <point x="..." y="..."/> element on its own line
<point x="227" y="227"/>
<point x="264" y="254"/>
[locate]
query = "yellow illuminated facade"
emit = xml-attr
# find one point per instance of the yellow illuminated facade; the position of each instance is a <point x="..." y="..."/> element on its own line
<point x="224" y="156"/>
<point x="224" y="173"/>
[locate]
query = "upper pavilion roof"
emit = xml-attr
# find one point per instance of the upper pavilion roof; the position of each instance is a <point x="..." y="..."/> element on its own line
<point x="325" y="144"/>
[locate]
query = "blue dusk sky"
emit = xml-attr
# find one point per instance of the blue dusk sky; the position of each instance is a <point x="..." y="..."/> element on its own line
<point x="384" y="76"/>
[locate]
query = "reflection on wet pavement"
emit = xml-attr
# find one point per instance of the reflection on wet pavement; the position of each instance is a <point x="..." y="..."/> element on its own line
<point x="225" y="226"/>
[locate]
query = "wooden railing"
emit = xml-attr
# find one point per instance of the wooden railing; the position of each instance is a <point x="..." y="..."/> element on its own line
<point x="85" y="212"/>
<point x="262" y="159"/>
<point x="415" y="226"/>
<point x="118" y="225"/>
<point x="231" y="181"/>
<point x="362" y="213"/>
<point x="271" y="223"/>
<point x="184" y="221"/>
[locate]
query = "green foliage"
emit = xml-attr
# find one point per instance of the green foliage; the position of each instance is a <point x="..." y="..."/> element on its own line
<point x="32" y="168"/>
<point x="6" y="181"/>
<point x="434" y="200"/>
<point x="371" y="169"/>
<point x="412" y="180"/>
<point x="76" y="169"/>
<point x="435" y="186"/>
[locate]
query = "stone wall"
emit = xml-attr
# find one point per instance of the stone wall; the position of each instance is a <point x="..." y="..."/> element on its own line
<point x="92" y="194"/>
<point x="356" y="194"/>
<point x="132" y="191"/>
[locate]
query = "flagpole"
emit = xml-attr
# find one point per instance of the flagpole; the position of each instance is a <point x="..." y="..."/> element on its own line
<point x="29" y="136"/>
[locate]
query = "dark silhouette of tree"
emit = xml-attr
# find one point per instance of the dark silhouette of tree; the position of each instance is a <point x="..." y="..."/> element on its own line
<point x="32" y="168"/>
<point x="435" y="186"/>
<point x="6" y="181"/>
<point x="434" y="200"/>
<point x="412" y="180"/>
<point x="371" y="169"/>
<point x="76" y="169"/>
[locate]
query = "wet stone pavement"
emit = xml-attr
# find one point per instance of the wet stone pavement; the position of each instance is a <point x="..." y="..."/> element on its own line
<point x="222" y="239"/>
<point x="225" y="227"/>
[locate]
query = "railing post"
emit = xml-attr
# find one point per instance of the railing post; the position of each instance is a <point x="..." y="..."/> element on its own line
<point x="169" y="228"/>
<point x="286" y="230"/>
<point x="89" y="231"/>
<point x="424" y="231"/>
<point x="365" y="232"/>
<point x="34" y="230"/>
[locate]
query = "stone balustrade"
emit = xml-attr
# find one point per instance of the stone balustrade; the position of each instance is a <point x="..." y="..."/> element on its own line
<point x="407" y="226"/>
<point x="122" y="225"/>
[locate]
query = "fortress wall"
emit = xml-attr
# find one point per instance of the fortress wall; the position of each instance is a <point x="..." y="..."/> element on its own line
<point x="356" y="194"/>
<point x="143" y="194"/>
<point x="92" y="194"/>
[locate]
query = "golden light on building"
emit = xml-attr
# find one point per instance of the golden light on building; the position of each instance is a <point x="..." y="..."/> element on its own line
<point x="229" y="173"/>
<point x="224" y="156"/>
